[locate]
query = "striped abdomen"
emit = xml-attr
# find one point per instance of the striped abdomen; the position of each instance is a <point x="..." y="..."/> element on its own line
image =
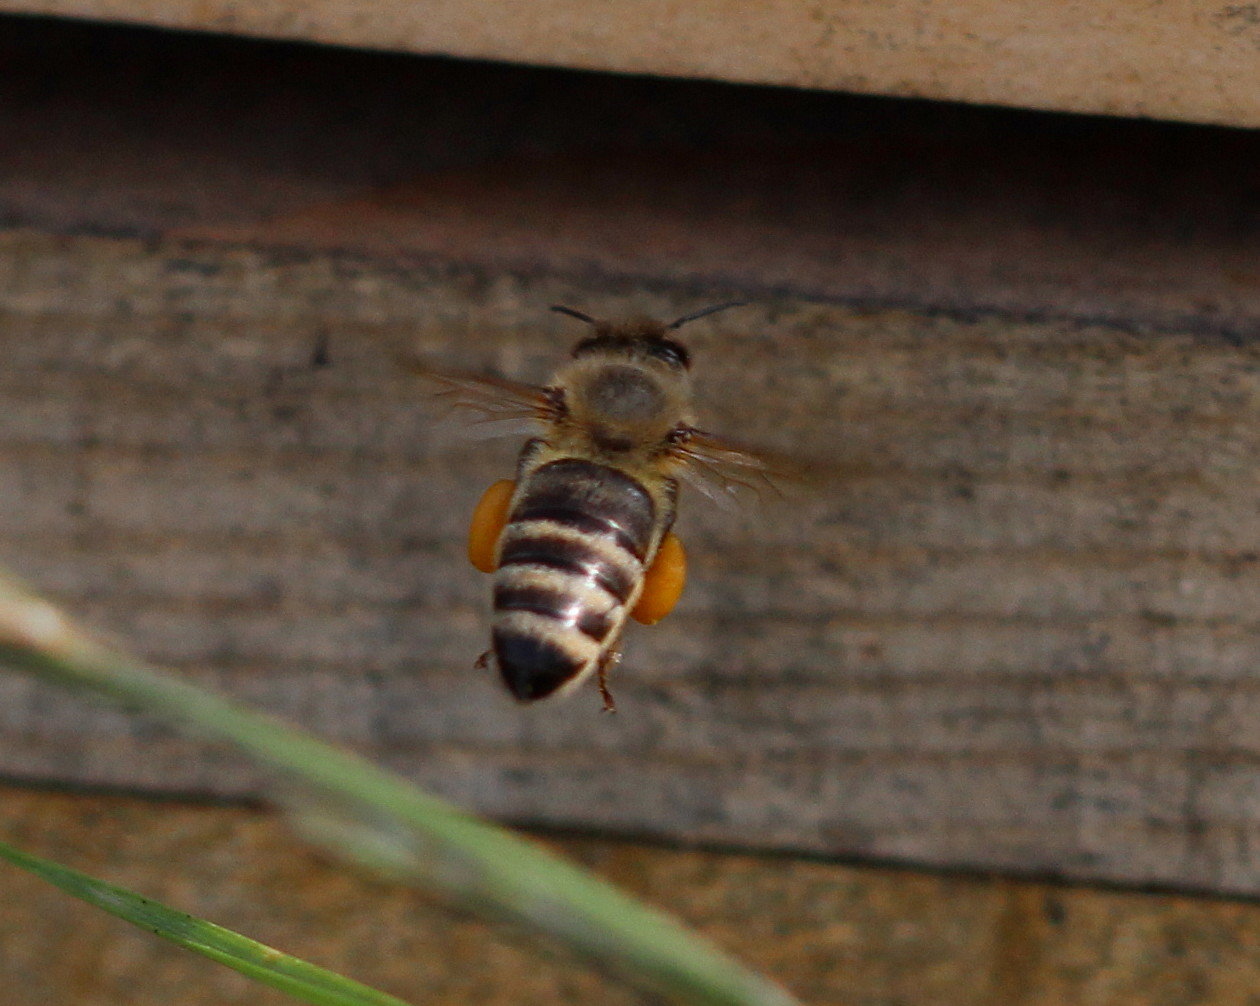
<point x="571" y="562"/>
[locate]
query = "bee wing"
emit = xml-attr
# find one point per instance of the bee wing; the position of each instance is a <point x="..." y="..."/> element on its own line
<point x="502" y="406"/>
<point x="728" y="472"/>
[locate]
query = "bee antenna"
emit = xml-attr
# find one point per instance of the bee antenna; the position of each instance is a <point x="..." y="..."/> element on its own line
<point x="703" y="313"/>
<point x="574" y="313"/>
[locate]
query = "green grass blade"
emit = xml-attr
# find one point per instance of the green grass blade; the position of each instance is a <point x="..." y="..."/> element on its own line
<point x="381" y="819"/>
<point x="271" y="967"/>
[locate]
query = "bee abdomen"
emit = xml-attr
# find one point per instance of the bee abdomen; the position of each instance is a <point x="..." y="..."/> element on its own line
<point x="555" y="614"/>
<point x="549" y="546"/>
<point x="570" y="609"/>
<point x="532" y="661"/>
<point x="590" y="497"/>
<point x="570" y="561"/>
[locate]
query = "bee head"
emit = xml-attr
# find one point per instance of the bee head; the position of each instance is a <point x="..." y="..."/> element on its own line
<point x="642" y="339"/>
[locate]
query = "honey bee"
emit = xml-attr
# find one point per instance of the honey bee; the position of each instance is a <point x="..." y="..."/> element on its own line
<point x="582" y="538"/>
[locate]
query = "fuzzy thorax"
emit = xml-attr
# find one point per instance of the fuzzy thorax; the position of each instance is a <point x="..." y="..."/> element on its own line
<point x="622" y="408"/>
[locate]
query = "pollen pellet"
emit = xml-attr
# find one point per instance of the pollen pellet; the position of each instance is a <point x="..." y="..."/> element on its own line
<point x="488" y="521"/>
<point x="663" y="583"/>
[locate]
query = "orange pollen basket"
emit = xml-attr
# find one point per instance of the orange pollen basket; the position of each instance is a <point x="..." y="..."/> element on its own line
<point x="488" y="521"/>
<point x="663" y="583"/>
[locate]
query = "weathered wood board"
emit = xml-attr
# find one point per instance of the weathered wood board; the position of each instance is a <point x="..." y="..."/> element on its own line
<point x="1167" y="58"/>
<point x="823" y="196"/>
<point x="1015" y="627"/>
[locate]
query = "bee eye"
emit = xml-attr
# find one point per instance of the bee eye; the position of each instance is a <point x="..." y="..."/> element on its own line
<point x="671" y="352"/>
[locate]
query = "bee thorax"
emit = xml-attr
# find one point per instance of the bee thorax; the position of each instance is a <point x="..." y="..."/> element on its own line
<point x="618" y="394"/>
<point x="621" y="406"/>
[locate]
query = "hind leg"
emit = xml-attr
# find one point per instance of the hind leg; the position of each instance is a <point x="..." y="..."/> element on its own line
<point x="606" y="664"/>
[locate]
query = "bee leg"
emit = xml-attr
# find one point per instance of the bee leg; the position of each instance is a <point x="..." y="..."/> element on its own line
<point x="487" y="524"/>
<point x="606" y="663"/>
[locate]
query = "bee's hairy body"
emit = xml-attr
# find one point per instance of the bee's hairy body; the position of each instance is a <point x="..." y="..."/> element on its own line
<point x="582" y="538"/>
<point x="594" y="498"/>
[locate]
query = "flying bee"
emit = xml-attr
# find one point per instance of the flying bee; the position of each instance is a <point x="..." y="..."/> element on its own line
<point x="582" y="538"/>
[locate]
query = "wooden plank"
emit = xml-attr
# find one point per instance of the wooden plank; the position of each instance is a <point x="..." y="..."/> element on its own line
<point x="1168" y="59"/>
<point x="772" y="191"/>
<point x="1015" y="627"/>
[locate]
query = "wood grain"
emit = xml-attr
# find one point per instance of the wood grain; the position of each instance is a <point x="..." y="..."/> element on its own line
<point x="1158" y="58"/>
<point x="771" y="191"/>
<point x="1012" y="626"/>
